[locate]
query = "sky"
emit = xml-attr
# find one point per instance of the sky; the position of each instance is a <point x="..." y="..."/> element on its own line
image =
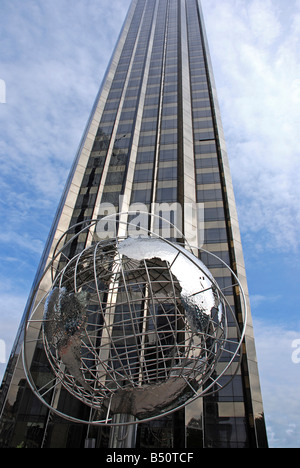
<point x="53" y="55"/>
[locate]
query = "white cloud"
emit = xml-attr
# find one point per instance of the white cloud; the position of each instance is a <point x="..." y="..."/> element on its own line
<point x="55" y="57"/>
<point x="256" y="60"/>
<point x="280" y="381"/>
<point x="263" y="21"/>
<point x="258" y="299"/>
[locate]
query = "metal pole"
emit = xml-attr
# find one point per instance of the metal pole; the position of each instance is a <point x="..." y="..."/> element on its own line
<point x="123" y="436"/>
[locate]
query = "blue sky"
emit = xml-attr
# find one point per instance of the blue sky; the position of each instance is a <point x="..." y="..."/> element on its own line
<point x="52" y="59"/>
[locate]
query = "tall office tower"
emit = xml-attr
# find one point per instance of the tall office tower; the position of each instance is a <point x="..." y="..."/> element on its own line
<point x="154" y="135"/>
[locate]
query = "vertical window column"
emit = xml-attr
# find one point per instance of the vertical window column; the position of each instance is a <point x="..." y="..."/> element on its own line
<point x="191" y="221"/>
<point x="118" y="154"/>
<point x="128" y="186"/>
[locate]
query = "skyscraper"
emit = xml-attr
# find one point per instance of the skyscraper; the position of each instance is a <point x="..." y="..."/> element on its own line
<point x="154" y="136"/>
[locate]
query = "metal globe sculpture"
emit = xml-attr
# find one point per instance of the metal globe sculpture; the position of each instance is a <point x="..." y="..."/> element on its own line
<point x="134" y="326"/>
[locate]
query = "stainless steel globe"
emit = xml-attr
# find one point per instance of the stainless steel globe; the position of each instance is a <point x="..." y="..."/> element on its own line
<point x="135" y="326"/>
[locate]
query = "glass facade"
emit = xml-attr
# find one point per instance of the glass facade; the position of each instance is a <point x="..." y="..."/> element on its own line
<point x="154" y="136"/>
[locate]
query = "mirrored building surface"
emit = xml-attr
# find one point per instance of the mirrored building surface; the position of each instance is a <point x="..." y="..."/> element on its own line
<point x="154" y="137"/>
